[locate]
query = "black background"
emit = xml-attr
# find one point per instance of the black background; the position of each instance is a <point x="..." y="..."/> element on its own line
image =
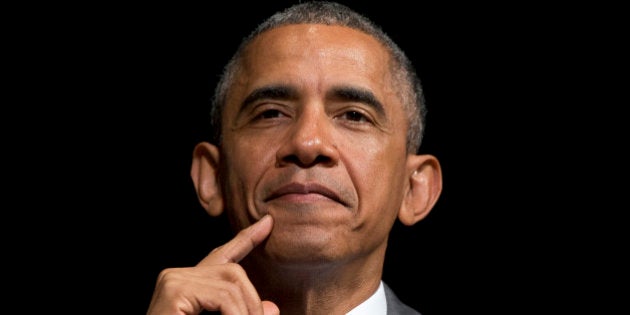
<point x="126" y="92"/>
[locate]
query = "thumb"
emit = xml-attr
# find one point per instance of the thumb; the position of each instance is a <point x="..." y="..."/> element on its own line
<point x="270" y="308"/>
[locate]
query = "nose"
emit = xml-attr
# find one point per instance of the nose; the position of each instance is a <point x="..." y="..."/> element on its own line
<point x="309" y="142"/>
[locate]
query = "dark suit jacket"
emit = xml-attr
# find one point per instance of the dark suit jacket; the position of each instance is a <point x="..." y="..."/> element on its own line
<point x="395" y="306"/>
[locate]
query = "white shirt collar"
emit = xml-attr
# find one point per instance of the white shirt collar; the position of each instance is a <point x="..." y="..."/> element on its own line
<point x="374" y="305"/>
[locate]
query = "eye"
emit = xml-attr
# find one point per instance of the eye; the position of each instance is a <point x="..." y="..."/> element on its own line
<point x="270" y="114"/>
<point x="354" y="116"/>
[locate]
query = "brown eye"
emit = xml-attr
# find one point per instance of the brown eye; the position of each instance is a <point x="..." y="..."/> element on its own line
<point x="269" y="114"/>
<point x="354" y="116"/>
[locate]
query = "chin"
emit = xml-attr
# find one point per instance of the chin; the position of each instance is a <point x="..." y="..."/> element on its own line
<point x="304" y="247"/>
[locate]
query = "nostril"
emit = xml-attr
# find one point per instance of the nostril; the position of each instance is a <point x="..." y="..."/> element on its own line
<point x="322" y="159"/>
<point x="290" y="159"/>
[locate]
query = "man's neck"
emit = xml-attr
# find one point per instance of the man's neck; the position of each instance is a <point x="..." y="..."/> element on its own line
<point x="328" y="289"/>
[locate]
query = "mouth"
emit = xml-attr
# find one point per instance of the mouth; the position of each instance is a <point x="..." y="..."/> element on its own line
<point x="305" y="192"/>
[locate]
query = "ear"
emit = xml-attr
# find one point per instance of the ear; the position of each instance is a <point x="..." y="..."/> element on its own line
<point x="425" y="186"/>
<point x="204" y="172"/>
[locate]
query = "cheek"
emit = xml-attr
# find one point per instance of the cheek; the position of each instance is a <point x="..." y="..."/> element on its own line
<point x="379" y="185"/>
<point x="378" y="174"/>
<point x="246" y="162"/>
<point x="244" y="166"/>
<point x="243" y="158"/>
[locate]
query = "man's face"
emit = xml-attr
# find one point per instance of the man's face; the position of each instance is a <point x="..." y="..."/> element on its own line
<point x="314" y="134"/>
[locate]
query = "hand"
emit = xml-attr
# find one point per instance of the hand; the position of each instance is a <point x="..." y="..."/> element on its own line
<point x="216" y="283"/>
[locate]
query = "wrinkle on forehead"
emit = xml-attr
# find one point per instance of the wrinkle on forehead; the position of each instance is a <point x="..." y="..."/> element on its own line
<point x="329" y="42"/>
<point x="322" y="51"/>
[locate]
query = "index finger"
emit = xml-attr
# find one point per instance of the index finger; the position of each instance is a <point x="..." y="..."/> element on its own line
<point x="241" y="245"/>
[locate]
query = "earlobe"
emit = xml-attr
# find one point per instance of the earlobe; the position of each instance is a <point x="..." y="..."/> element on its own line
<point x="204" y="172"/>
<point x="425" y="187"/>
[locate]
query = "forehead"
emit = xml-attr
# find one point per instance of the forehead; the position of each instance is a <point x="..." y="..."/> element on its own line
<point x="320" y="37"/>
<point x="318" y="56"/>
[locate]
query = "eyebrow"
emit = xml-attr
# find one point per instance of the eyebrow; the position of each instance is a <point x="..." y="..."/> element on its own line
<point x="283" y="92"/>
<point x="344" y="93"/>
<point x="359" y="95"/>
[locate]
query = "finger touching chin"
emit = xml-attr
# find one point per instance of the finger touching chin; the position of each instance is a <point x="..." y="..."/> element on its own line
<point x="270" y="308"/>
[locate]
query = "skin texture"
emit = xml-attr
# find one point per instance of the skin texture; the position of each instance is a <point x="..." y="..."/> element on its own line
<point x="314" y="151"/>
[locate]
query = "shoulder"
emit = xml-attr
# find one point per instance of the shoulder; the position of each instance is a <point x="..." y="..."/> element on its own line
<point x="395" y="306"/>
